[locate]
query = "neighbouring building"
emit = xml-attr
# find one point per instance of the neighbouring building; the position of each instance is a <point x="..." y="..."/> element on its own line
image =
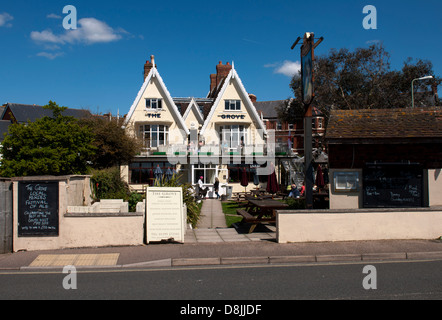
<point x="221" y="135"/>
<point x="23" y="113"/>
<point x="286" y="133"/>
<point x="385" y="158"/>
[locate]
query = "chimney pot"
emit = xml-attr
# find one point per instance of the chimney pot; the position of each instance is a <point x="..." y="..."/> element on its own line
<point x="148" y="66"/>
<point x="252" y="97"/>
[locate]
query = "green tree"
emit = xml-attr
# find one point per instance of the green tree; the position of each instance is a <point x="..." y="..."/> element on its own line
<point x="55" y="145"/>
<point x="361" y="79"/>
<point x="113" y="145"/>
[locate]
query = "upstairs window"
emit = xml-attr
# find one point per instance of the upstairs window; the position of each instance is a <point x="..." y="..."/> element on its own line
<point x="232" y="105"/>
<point x="154" y="135"/>
<point x="154" y="104"/>
<point x="278" y="126"/>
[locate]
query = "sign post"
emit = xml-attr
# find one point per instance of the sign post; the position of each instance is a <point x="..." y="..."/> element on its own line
<point x="308" y="94"/>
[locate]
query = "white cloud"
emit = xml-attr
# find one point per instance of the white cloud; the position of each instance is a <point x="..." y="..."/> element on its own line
<point x="53" y="16"/>
<point x="45" y="36"/>
<point x="89" y="31"/>
<point x="4" y="20"/>
<point x="288" y="68"/>
<point x="50" y="56"/>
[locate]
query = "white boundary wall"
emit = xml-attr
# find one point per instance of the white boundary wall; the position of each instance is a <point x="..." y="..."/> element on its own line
<point x="357" y="225"/>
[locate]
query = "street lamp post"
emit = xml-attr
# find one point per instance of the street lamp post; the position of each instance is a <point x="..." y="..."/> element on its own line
<point x="412" y="87"/>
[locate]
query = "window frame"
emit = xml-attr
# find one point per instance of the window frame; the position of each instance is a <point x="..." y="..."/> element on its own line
<point x="346" y="181"/>
<point x="148" y="135"/>
<point x="240" y="131"/>
<point x="232" y="105"/>
<point x="151" y="101"/>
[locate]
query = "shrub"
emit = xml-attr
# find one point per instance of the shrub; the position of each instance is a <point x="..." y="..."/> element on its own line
<point x="295" y="204"/>
<point x="193" y="209"/>
<point x="107" y="184"/>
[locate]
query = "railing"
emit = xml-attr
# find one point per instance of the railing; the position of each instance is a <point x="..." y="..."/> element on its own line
<point x="276" y="149"/>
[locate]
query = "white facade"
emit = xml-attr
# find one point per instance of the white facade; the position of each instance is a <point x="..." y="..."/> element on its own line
<point x="220" y="145"/>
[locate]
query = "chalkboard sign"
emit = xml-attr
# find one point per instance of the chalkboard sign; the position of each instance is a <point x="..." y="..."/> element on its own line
<point x="392" y="186"/>
<point x="38" y="209"/>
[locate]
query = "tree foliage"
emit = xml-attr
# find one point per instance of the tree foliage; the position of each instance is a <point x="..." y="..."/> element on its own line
<point x="361" y="79"/>
<point x="55" y="145"/>
<point x="113" y="146"/>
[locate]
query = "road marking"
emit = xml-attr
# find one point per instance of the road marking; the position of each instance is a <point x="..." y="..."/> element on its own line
<point x="61" y="260"/>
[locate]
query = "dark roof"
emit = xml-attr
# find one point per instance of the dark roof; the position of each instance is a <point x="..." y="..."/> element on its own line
<point x="24" y="113"/>
<point x="4" y="125"/>
<point x="268" y="108"/>
<point x="384" y="124"/>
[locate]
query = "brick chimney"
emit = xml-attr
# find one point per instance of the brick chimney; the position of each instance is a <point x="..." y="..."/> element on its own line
<point x="222" y="71"/>
<point x="148" y="66"/>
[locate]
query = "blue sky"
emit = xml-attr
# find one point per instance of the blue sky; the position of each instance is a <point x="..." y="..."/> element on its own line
<point x="100" y="65"/>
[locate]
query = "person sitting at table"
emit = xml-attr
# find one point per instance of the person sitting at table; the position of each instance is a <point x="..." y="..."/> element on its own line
<point x="302" y="190"/>
<point x="294" y="193"/>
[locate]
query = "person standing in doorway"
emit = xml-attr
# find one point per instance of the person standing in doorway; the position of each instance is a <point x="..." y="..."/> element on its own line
<point x="216" y="187"/>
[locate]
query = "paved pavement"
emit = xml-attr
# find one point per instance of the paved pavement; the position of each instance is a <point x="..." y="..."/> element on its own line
<point x="214" y="244"/>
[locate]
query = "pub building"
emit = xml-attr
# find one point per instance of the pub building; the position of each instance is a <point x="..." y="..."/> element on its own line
<point x="385" y="158"/>
<point x="221" y="135"/>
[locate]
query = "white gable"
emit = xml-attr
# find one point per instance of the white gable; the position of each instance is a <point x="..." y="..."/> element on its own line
<point x="193" y="114"/>
<point x="154" y="87"/>
<point x="233" y="83"/>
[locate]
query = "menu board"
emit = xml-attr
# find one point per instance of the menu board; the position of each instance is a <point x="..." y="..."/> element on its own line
<point x="164" y="214"/>
<point x="393" y="186"/>
<point x="38" y="209"/>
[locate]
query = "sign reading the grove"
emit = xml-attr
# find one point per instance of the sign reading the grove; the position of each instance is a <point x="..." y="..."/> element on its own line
<point x="233" y="116"/>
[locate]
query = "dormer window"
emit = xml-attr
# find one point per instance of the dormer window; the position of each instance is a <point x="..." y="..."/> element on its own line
<point x="154" y="104"/>
<point x="232" y="105"/>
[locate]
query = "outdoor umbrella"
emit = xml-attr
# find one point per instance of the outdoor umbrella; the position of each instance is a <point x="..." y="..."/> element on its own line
<point x="319" y="178"/>
<point x="169" y="174"/>
<point x="244" y="179"/>
<point x="151" y="178"/>
<point x="158" y="174"/>
<point x="272" y="183"/>
<point x="255" y="177"/>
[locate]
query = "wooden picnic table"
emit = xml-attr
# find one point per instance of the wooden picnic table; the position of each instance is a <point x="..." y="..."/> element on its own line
<point x="260" y="197"/>
<point x="260" y="211"/>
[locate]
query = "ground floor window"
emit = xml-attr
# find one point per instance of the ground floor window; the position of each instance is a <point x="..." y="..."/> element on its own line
<point x="144" y="172"/>
<point x="236" y="172"/>
<point x="154" y="135"/>
<point x="207" y="171"/>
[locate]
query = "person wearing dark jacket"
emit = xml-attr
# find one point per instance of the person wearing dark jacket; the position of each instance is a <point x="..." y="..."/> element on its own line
<point x="216" y="188"/>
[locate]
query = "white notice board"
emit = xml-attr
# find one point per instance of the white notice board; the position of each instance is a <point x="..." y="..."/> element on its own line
<point x="164" y="214"/>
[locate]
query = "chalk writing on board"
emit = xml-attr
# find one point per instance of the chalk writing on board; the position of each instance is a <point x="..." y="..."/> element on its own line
<point x="392" y="185"/>
<point x="38" y="209"/>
